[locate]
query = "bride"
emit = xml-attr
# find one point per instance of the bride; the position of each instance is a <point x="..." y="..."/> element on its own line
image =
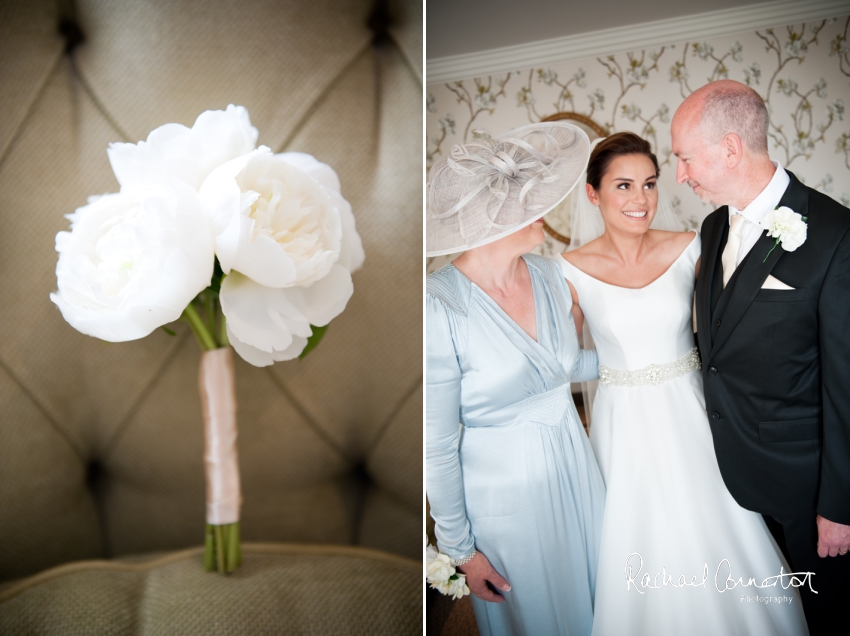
<point x="678" y="553"/>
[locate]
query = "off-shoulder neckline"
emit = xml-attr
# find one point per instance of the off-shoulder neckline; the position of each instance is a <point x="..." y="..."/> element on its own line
<point x="648" y="285"/>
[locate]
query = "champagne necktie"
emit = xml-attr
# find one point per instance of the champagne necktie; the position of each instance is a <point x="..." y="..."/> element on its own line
<point x="733" y="246"/>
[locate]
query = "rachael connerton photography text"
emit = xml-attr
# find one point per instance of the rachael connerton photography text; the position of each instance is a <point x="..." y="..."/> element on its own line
<point x="723" y="579"/>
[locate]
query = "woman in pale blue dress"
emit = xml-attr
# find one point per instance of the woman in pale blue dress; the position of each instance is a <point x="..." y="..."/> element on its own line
<point x="510" y="474"/>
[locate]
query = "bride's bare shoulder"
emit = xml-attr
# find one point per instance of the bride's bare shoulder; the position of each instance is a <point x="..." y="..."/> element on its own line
<point x="583" y="253"/>
<point x="572" y="257"/>
<point x="673" y="240"/>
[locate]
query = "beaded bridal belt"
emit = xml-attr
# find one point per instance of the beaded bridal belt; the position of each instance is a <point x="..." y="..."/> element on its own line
<point x="653" y="375"/>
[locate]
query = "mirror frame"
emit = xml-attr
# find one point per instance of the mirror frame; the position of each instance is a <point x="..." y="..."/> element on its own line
<point x="600" y="132"/>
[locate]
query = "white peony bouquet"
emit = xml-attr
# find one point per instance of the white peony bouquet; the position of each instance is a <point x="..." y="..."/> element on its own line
<point x="252" y="249"/>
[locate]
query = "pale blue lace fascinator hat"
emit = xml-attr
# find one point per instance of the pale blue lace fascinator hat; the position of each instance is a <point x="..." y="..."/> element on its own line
<point x="489" y="188"/>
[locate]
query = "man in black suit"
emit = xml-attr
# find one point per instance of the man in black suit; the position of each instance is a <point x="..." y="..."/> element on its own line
<point x="773" y="328"/>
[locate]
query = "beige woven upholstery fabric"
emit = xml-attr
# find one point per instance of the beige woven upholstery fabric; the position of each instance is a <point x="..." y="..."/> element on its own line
<point x="101" y="444"/>
<point x="278" y="590"/>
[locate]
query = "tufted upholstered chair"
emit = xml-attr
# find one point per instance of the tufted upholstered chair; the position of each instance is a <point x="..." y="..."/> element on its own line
<point x="101" y="471"/>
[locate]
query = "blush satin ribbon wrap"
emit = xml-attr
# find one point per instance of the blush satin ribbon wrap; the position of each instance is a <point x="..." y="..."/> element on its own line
<point x="218" y="403"/>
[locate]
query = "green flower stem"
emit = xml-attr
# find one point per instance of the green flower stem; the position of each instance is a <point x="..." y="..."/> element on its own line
<point x="222" y="549"/>
<point x="210" y="310"/>
<point x="203" y="335"/>
<point x="771" y="250"/>
<point x="197" y="339"/>
<point x="219" y="547"/>
<point x="234" y="553"/>
<point x="209" y="549"/>
<point x="223" y="339"/>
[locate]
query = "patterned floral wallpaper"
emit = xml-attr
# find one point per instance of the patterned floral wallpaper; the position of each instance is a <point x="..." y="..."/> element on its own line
<point x="802" y="71"/>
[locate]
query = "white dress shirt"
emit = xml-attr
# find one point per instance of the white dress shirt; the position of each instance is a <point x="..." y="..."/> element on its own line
<point x="767" y="200"/>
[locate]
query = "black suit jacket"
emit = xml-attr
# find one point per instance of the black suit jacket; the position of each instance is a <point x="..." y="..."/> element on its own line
<point x="776" y="363"/>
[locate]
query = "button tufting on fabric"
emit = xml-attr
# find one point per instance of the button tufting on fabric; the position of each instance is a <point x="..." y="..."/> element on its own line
<point x="71" y="32"/>
<point x="379" y="23"/>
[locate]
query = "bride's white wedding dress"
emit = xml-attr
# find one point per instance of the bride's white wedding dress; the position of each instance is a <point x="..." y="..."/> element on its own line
<point x="668" y="513"/>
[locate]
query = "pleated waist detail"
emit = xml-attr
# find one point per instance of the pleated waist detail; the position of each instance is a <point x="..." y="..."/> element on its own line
<point x="550" y="408"/>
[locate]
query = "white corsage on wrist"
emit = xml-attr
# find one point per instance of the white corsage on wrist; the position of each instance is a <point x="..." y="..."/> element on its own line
<point x="441" y="574"/>
<point x="788" y="227"/>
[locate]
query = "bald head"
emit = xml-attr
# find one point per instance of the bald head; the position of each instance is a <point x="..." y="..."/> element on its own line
<point x="724" y="107"/>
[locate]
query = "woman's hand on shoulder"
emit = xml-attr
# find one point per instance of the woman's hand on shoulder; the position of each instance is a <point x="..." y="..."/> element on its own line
<point x="478" y="573"/>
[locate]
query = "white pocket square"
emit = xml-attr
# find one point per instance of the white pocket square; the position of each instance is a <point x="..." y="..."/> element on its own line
<point x="775" y="283"/>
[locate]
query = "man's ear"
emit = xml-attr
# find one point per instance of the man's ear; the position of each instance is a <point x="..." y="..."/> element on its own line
<point x="733" y="149"/>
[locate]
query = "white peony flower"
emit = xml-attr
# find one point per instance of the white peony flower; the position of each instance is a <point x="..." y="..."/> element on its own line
<point x="132" y="262"/>
<point x="189" y="154"/>
<point x="786" y="226"/>
<point x="351" y="254"/>
<point x="279" y="219"/>
<point x="287" y="242"/>
<point x="266" y="325"/>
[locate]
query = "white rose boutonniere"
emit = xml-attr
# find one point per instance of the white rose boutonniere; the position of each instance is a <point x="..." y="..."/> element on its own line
<point x="788" y="227"/>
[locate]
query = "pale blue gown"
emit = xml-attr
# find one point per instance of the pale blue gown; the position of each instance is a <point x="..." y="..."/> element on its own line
<point x="517" y="479"/>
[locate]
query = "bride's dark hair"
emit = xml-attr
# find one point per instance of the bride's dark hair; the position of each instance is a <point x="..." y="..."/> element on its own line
<point x="616" y="145"/>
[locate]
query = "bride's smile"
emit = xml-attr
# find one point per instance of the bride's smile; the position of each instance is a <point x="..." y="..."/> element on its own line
<point x="627" y="197"/>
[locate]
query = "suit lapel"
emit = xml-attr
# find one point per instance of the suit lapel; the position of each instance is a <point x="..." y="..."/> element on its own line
<point x="706" y="279"/>
<point x="754" y="270"/>
<point x="796" y="196"/>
